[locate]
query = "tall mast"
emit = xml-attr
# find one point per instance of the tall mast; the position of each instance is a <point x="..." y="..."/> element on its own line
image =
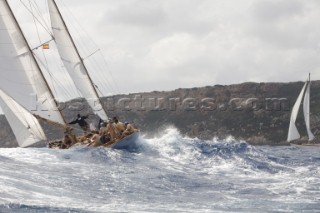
<point x="35" y="61"/>
<point x="79" y="56"/>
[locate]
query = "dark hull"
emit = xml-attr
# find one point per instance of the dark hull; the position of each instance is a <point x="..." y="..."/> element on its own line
<point x="126" y="142"/>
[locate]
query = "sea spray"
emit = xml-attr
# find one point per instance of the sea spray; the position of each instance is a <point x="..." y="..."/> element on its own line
<point x="169" y="172"/>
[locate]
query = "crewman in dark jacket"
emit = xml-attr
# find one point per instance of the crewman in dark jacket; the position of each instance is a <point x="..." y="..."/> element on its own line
<point x="82" y="123"/>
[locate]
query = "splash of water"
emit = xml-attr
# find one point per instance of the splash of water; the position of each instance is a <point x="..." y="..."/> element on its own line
<point x="180" y="173"/>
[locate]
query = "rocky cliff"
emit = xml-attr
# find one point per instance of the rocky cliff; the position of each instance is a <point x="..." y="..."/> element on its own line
<point x="256" y="112"/>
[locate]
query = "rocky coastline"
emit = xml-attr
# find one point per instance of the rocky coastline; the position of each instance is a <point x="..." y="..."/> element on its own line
<point x="255" y="112"/>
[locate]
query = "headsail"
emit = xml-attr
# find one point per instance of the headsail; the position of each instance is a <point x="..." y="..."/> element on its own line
<point x="293" y="133"/>
<point x="73" y="61"/>
<point x="21" y="77"/>
<point x="25" y="126"/>
<point x="306" y="111"/>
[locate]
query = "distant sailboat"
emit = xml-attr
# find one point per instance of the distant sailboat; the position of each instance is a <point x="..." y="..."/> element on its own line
<point x="293" y="133"/>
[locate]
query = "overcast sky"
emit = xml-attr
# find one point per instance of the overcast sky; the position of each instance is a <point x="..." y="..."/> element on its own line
<point x="167" y="44"/>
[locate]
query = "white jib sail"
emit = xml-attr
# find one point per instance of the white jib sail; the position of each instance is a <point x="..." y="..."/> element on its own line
<point x="306" y="111"/>
<point x="25" y="126"/>
<point x="20" y="76"/>
<point x="73" y="62"/>
<point x="293" y="133"/>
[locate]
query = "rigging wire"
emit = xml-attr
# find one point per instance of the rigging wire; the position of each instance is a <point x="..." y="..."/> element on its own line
<point x="95" y="65"/>
<point x="37" y="8"/>
<point x="108" y="68"/>
<point x="56" y="81"/>
<point x="14" y="106"/>
<point x="53" y="79"/>
<point x="84" y="47"/>
<point x="43" y="54"/>
<point x="36" y="18"/>
<point x="83" y="30"/>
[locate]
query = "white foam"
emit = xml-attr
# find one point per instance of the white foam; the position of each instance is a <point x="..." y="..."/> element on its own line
<point x="180" y="173"/>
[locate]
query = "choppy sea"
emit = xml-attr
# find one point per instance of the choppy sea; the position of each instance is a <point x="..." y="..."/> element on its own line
<point x="168" y="173"/>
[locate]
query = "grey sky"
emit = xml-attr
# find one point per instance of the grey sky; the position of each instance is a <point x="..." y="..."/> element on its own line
<point x="168" y="44"/>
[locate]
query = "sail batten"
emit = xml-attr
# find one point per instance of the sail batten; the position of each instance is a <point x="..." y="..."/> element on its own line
<point x="21" y="77"/>
<point x="73" y="61"/>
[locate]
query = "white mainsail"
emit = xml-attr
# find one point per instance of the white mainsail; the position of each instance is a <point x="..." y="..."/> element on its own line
<point x="293" y="133"/>
<point x="73" y="61"/>
<point x="20" y="75"/>
<point x="306" y="111"/>
<point x="24" y="125"/>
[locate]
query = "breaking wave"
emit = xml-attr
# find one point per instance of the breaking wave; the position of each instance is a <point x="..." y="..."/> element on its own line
<point x="184" y="174"/>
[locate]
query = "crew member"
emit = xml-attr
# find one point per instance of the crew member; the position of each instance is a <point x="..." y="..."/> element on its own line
<point x="112" y="130"/>
<point x="129" y="129"/>
<point x="119" y="125"/>
<point x="82" y="123"/>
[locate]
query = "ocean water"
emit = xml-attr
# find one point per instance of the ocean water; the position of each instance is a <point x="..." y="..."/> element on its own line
<point x="168" y="173"/>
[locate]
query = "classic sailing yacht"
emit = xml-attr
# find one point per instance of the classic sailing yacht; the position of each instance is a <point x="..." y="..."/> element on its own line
<point x="21" y="76"/>
<point x="293" y="133"/>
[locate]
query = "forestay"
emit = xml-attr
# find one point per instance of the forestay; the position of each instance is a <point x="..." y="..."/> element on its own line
<point x="73" y="61"/>
<point x="21" y="78"/>
<point x="24" y="125"/>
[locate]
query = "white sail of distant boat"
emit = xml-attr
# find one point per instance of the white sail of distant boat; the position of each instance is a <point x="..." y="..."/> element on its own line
<point x="26" y="127"/>
<point x="306" y="111"/>
<point x="73" y="62"/>
<point x="293" y="133"/>
<point x="24" y="87"/>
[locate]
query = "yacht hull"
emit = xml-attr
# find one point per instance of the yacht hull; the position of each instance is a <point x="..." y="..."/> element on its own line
<point x="127" y="142"/>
